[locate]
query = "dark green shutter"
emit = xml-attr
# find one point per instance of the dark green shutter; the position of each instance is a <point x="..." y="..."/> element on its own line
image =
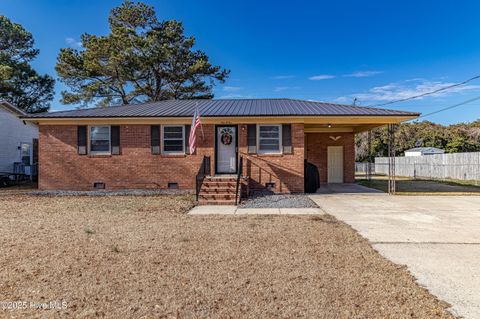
<point x="252" y="138"/>
<point x="82" y="139"/>
<point x="115" y="139"/>
<point x="155" y="139"/>
<point x="187" y="135"/>
<point x="287" y="139"/>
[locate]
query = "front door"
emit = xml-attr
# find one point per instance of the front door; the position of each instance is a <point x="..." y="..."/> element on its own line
<point x="226" y="149"/>
<point x="335" y="164"/>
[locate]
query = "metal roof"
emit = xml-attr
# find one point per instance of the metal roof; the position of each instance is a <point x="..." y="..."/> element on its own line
<point x="225" y="108"/>
<point x="426" y="150"/>
<point x="12" y="108"/>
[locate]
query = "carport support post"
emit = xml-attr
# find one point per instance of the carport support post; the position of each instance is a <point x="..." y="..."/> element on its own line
<point x="369" y="155"/>
<point x="391" y="158"/>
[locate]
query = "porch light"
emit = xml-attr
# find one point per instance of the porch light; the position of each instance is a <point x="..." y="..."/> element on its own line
<point x="329" y="125"/>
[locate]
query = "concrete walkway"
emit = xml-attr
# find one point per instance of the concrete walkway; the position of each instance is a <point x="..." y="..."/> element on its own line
<point x="437" y="237"/>
<point x="234" y="210"/>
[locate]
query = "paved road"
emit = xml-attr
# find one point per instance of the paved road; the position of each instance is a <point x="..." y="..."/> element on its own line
<point x="437" y="237"/>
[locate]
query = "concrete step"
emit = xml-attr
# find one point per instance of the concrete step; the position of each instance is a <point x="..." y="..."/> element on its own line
<point x="215" y="202"/>
<point x="219" y="185"/>
<point x="217" y="196"/>
<point x="220" y="179"/>
<point x="217" y="190"/>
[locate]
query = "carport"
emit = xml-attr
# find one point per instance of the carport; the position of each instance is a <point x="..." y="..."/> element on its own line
<point x="330" y="152"/>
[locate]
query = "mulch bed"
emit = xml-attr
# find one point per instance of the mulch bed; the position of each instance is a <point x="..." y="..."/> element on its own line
<point x="127" y="256"/>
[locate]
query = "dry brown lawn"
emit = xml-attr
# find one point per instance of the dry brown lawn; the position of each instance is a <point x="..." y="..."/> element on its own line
<point x="142" y="257"/>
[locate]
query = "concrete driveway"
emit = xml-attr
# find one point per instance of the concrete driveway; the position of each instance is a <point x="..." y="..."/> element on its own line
<point x="437" y="237"/>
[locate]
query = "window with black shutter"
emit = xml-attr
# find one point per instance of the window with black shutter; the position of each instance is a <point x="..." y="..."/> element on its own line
<point x="155" y="139"/>
<point x="173" y="139"/>
<point x="187" y="136"/>
<point x="252" y="138"/>
<point x="269" y="139"/>
<point x="100" y="140"/>
<point x="82" y="140"/>
<point x="287" y="139"/>
<point x="115" y="139"/>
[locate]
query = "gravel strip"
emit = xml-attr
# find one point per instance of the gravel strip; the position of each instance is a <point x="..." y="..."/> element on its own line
<point x="125" y="192"/>
<point x="278" y="201"/>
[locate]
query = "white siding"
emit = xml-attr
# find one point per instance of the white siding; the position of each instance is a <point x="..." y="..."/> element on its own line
<point x="12" y="133"/>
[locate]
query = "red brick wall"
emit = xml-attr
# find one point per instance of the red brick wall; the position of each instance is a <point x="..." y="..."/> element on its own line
<point x="62" y="168"/>
<point x="286" y="170"/>
<point x="317" y="144"/>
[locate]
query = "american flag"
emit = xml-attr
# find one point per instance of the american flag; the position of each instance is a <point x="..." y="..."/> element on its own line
<point x="192" y="140"/>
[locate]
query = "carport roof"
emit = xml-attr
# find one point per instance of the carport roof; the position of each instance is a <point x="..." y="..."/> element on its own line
<point x="225" y="108"/>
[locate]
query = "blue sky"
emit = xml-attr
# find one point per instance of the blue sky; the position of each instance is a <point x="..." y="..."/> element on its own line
<point x="332" y="51"/>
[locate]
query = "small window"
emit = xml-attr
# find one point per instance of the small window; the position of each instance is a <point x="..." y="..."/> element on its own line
<point x="173" y="139"/>
<point x="25" y="153"/>
<point x="269" y="138"/>
<point x="100" y="139"/>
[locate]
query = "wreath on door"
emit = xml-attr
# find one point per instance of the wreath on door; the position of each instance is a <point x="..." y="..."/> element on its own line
<point x="226" y="136"/>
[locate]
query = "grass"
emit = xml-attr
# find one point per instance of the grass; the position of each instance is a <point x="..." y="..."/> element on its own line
<point x="147" y="258"/>
<point x="423" y="187"/>
<point x="89" y="231"/>
<point x="115" y="249"/>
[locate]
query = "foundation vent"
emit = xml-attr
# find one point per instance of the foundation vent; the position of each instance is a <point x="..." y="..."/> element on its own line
<point x="99" y="185"/>
<point x="172" y="185"/>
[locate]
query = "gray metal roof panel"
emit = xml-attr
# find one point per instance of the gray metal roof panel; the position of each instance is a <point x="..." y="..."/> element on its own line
<point x="223" y="108"/>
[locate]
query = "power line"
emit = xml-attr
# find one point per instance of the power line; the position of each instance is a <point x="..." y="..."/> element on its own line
<point x="427" y="93"/>
<point x="450" y="107"/>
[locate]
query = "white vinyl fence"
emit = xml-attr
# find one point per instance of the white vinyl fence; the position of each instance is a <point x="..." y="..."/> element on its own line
<point x="463" y="166"/>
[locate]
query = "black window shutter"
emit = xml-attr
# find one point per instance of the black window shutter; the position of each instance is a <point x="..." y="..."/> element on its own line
<point x="187" y="135"/>
<point x="115" y="139"/>
<point x="82" y="139"/>
<point x="252" y="138"/>
<point x="287" y="139"/>
<point x="155" y="138"/>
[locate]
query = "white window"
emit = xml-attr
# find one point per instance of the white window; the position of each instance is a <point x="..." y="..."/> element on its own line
<point x="100" y="139"/>
<point x="173" y="139"/>
<point x="269" y="139"/>
<point x="25" y="153"/>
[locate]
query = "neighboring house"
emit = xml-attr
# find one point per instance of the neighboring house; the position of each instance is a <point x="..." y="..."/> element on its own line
<point x="146" y="145"/>
<point x="17" y="141"/>
<point x="419" y="151"/>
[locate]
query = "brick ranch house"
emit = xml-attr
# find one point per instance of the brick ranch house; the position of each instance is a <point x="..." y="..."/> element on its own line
<point x="145" y="146"/>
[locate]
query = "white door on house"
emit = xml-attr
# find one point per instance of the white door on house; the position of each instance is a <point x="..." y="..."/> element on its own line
<point x="335" y="164"/>
<point x="226" y="149"/>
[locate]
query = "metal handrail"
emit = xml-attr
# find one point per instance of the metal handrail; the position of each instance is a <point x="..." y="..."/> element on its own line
<point x="239" y="176"/>
<point x="202" y="172"/>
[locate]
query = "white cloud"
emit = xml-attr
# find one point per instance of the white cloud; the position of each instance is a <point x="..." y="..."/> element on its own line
<point x="284" y="88"/>
<point x="321" y="77"/>
<point x="343" y="99"/>
<point x="235" y="96"/>
<point x="363" y="74"/>
<point x="232" y="88"/>
<point x="73" y="43"/>
<point x="283" y="77"/>
<point x="408" y="89"/>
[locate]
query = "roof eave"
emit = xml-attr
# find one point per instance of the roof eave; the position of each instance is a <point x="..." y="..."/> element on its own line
<point x="13" y="108"/>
